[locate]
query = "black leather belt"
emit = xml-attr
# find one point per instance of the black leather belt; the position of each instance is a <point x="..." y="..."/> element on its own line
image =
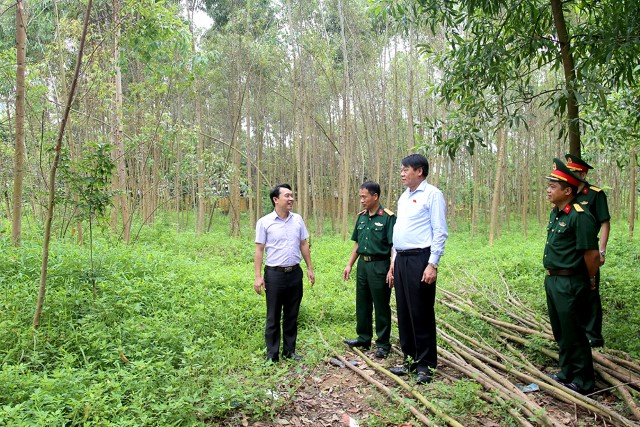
<point x="409" y="252"/>
<point x="369" y="258"/>
<point x="288" y="269"/>
<point x="563" y="272"/>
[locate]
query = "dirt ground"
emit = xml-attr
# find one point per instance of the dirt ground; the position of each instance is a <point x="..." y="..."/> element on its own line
<point x="333" y="396"/>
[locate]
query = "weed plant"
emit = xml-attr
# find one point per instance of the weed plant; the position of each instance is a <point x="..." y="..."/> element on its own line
<point x="175" y="332"/>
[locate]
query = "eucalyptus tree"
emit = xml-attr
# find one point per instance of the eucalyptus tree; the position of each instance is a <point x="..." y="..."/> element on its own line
<point x="19" y="168"/>
<point x="505" y="42"/>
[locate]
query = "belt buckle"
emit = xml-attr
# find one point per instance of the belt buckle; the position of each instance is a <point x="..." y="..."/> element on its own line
<point x="367" y="258"/>
<point x="548" y="272"/>
<point x="288" y="269"/>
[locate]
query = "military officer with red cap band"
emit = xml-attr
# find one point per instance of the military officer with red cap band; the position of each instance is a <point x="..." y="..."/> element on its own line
<point x="571" y="261"/>
<point x="595" y="200"/>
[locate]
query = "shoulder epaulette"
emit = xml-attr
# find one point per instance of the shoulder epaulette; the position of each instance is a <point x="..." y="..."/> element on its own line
<point x="577" y="207"/>
<point x="389" y="212"/>
<point x="594" y="188"/>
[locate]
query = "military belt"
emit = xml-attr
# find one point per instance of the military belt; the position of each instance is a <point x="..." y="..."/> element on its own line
<point x="563" y="272"/>
<point x="369" y="258"/>
<point x="288" y="269"/>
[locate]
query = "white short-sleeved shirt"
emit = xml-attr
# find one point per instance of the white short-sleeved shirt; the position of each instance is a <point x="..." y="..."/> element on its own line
<point x="281" y="238"/>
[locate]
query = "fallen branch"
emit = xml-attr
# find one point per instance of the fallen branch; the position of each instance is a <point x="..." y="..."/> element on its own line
<point x="419" y="415"/>
<point x="431" y="407"/>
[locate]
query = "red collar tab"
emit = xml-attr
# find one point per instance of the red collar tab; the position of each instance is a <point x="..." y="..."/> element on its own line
<point x="380" y="211"/>
<point x="585" y="190"/>
<point x="567" y="208"/>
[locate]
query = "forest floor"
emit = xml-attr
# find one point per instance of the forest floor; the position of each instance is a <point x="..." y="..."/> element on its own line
<point x="331" y="396"/>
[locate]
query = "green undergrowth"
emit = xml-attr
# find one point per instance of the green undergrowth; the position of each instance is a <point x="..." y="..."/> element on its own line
<point x="169" y="331"/>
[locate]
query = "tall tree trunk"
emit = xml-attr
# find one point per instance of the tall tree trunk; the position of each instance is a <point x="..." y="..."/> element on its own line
<point x="495" y="203"/>
<point x="569" y="76"/>
<point x="116" y="130"/>
<point x="19" y="162"/>
<point x="410" y="84"/>
<point x="52" y="177"/>
<point x="345" y="181"/>
<point x="633" y="189"/>
<point x="236" y="98"/>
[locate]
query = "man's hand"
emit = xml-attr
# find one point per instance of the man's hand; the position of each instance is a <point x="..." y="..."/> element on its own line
<point x="258" y="285"/>
<point x="430" y="274"/>
<point x="311" y="276"/>
<point x="346" y="273"/>
<point x="601" y="259"/>
<point x="389" y="279"/>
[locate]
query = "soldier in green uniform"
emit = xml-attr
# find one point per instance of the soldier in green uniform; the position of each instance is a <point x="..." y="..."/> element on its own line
<point x="571" y="261"/>
<point x="593" y="198"/>
<point x="373" y="234"/>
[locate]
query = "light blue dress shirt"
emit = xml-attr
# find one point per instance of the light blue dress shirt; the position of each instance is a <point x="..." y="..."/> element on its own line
<point x="281" y="238"/>
<point x="421" y="221"/>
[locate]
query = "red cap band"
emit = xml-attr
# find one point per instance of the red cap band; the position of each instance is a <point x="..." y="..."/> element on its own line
<point x="576" y="166"/>
<point x="565" y="177"/>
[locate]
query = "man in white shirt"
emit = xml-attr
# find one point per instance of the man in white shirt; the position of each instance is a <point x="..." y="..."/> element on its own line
<point x="284" y="236"/>
<point x="419" y="237"/>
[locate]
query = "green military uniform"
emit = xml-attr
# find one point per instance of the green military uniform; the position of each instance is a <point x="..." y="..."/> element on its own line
<point x="594" y="200"/>
<point x="374" y="235"/>
<point x="570" y="232"/>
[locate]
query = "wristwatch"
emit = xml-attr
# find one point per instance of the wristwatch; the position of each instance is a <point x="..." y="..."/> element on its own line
<point x="603" y="253"/>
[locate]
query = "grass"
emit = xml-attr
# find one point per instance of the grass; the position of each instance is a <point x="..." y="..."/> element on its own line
<point x="174" y="334"/>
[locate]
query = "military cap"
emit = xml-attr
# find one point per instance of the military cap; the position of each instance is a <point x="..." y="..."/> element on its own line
<point x="561" y="172"/>
<point x="575" y="163"/>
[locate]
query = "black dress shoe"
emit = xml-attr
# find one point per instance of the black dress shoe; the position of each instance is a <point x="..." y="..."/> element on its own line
<point x="273" y="359"/>
<point x="356" y="343"/>
<point x="382" y="353"/>
<point x="573" y="387"/>
<point x="399" y="370"/>
<point x="557" y="378"/>
<point x="577" y="389"/>
<point x="293" y="356"/>
<point x="423" y="378"/>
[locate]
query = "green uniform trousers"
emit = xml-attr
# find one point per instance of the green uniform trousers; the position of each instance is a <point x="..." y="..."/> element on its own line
<point x="566" y="300"/>
<point x="594" y="323"/>
<point x="372" y="292"/>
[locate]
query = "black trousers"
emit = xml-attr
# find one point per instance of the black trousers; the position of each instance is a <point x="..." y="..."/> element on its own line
<point x="416" y="315"/>
<point x="284" y="294"/>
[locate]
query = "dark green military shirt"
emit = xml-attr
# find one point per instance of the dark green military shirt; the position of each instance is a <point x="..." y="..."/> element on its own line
<point x="570" y="233"/>
<point x="594" y="199"/>
<point x="374" y="234"/>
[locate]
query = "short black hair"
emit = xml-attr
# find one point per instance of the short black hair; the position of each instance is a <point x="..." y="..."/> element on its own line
<point x="372" y="187"/>
<point x="416" y="161"/>
<point x="564" y="184"/>
<point x="275" y="192"/>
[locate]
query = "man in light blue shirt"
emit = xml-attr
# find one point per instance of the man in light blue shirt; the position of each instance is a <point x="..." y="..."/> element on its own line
<point x="284" y="236"/>
<point x="419" y="237"/>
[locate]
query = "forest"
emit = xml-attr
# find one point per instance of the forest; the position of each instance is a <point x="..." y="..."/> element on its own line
<point x="138" y="143"/>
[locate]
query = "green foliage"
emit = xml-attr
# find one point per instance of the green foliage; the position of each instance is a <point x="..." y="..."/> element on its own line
<point x="497" y="56"/>
<point x="174" y="333"/>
